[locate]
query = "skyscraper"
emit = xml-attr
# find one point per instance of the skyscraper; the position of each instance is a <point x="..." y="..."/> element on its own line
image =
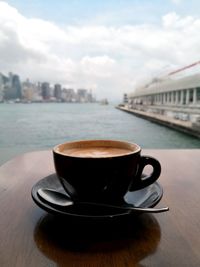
<point x="1" y="87"/>
<point x="12" y="87"/>
<point x="16" y="85"/>
<point x="46" y="94"/>
<point x="57" y="91"/>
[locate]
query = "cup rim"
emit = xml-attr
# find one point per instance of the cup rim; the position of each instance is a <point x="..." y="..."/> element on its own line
<point x="135" y="146"/>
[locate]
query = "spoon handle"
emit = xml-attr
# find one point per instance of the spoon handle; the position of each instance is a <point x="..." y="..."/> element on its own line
<point x="134" y="209"/>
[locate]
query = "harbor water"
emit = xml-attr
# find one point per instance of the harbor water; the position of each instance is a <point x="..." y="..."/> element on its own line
<point x="30" y="127"/>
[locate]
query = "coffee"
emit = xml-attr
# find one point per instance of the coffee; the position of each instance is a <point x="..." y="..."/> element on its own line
<point x="96" y="152"/>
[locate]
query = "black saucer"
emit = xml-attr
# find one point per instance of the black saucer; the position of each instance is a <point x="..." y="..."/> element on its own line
<point x="146" y="197"/>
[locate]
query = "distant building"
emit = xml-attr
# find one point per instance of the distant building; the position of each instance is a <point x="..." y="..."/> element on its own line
<point x="57" y="91"/>
<point x="82" y="95"/>
<point x="12" y="87"/>
<point x="45" y="91"/>
<point x="68" y="95"/>
<point x="16" y="84"/>
<point x="2" y="84"/>
<point x="90" y="97"/>
<point x="30" y="91"/>
<point x="125" y="98"/>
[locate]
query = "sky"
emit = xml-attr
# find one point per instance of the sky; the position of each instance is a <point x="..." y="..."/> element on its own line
<point x="108" y="46"/>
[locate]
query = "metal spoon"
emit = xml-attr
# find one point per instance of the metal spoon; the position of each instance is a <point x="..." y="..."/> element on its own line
<point x="56" y="198"/>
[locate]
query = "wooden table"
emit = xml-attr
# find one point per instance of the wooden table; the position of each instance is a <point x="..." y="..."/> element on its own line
<point x="31" y="237"/>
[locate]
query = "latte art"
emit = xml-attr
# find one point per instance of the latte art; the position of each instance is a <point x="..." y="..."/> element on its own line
<point x="96" y="152"/>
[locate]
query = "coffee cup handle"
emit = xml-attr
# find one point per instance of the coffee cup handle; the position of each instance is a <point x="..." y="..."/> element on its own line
<point x="142" y="180"/>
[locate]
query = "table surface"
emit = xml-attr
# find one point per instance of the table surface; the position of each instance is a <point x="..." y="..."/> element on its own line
<point x="30" y="236"/>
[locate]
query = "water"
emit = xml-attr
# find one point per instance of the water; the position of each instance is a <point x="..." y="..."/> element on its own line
<point x="28" y="127"/>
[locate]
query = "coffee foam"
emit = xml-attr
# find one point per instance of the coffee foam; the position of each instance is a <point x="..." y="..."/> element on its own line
<point x="95" y="152"/>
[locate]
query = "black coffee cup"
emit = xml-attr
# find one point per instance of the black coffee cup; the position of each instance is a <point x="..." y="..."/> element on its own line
<point x="102" y="170"/>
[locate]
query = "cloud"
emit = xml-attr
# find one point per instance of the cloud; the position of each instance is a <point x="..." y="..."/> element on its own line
<point x="110" y="60"/>
<point x="177" y="2"/>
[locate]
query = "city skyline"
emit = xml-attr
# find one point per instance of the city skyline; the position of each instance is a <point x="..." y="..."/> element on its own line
<point x="108" y="47"/>
<point x="13" y="89"/>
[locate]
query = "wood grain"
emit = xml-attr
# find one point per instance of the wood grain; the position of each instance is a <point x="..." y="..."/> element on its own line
<point x="31" y="237"/>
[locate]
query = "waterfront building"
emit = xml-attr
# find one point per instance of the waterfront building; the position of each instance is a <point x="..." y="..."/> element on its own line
<point x="68" y="95"/>
<point x="175" y="95"/>
<point x="2" y="83"/>
<point x="57" y="91"/>
<point x="90" y="97"/>
<point x="16" y="85"/>
<point x="12" y="87"/>
<point x="45" y="91"/>
<point x="125" y="98"/>
<point x="30" y="91"/>
<point x="82" y="95"/>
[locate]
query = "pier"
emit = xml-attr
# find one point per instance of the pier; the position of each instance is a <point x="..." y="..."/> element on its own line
<point x="183" y="126"/>
<point x="172" y="100"/>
